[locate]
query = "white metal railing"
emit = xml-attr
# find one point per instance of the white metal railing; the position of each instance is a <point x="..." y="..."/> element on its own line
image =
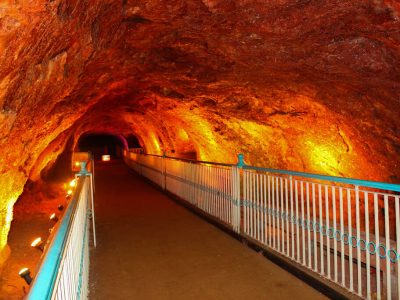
<point x="348" y="234"/>
<point x="137" y="150"/>
<point x="346" y="230"/>
<point x="208" y="186"/>
<point x="64" y="270"/>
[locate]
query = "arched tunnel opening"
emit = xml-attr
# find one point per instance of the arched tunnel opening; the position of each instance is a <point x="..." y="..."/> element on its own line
<point x="102" y="144"/>
<point x="301" y="86"/>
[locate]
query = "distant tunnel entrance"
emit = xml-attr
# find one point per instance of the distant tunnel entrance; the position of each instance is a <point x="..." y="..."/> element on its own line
<point x="100" y="144"/>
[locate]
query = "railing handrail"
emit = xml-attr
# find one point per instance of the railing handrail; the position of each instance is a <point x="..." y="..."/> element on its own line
<point x="357" y="182"/>
<point x="188" y="160"/>
<point x="44" y="282"/>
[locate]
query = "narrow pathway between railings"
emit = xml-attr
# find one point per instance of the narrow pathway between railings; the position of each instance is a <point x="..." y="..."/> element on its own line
<point x="149" y="247"/>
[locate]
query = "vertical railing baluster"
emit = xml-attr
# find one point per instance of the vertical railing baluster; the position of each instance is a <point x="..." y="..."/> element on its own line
<point x="249" y="203"/>
<point x="397" y="218"/>
<point x="291" y="217"/>
<point x="342" y="257"/>
<point x="328" y="247"/>
<point x="251" y="207"/>
<point x="223" y="205"/>
<point x="350" y="238"/>
<point x="335" y="262"/>
<point x="309" y="263"/>
<point x="321" y="223"/>
<point x="287" y="217"/>
<point x="204" y="188"/>
<point x="281" y="211"/>
<point x="245" y="197"/>
<point x="210" y="194"/>
<point x="297" y="221"/>
<point x="273" y="210"/>
<point x="377" y="243"/>
<point x="262" y="221"/>
<point x="254" y="206"/>
<point x="367" y="255"/>
<point x="303" y="236"/>
<point x="259" y="208"/>
<point x="359" y="284"/>
<point x="314" y="213"/>
<point x="277" y="214"/>
<point x="269" y="212"/>
<point x="387" y="238"/>
<point x="265" y="211"/>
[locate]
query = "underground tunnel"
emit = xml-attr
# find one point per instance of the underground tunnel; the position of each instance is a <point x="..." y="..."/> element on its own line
<point x="307" y="86"/>
<point x="103" y="144"/>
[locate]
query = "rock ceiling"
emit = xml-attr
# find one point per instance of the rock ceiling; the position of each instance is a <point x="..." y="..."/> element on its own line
<point x="304" y="85"/>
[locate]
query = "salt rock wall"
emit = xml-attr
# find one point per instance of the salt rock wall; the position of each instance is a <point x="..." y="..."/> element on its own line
<point x="304" y="85"/>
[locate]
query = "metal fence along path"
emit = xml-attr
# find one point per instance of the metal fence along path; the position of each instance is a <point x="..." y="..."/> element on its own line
<point x="345" y="230"/>
<point x="64" y="270"/>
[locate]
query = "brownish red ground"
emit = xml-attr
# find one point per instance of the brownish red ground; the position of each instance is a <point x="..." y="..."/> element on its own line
<point x="151" y="248"/>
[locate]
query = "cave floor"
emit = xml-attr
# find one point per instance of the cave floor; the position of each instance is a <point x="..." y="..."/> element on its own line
<point x="149" y="247"/>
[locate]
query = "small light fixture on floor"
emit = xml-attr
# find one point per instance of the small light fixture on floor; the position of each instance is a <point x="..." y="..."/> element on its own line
<point x="69" y="194"/>
<point x="72" y="183"/>
<point x="60" y="207"/>
<point x="105" y="157"/>
<point x="26" y="275"/>
<point x="54" y="217"/>
<point x="38" y="244"/>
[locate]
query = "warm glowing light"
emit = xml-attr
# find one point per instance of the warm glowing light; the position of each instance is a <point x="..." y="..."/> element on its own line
<point x="77" y="164"/>
<point x="155" y="143"/>
<point x="53" y="217"/>
<point x="182" y="135"/>
<point x="105" y="157"/>
<point x="25" y="274"/>
<point x="6" y="222"/>
<point x="324" y="158"/>
<point x="36" y="242"/>
<point x="69" y="192"/>
<point x="23" y="271"/>
<point x="72" y="183"/>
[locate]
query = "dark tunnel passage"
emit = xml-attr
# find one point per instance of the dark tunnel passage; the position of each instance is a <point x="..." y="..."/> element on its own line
<point x="101" y="144"/>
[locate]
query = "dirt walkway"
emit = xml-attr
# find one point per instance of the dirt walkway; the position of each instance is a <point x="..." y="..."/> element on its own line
<point x="151" y="248"/>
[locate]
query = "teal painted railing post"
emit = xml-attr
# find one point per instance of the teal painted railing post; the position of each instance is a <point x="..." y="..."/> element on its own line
<point x="237" y="187"/>
<point x="240" y="162"/>
<point x="83" y="170"/>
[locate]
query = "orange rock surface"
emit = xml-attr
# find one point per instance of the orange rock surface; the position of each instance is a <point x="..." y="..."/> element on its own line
<point x="303" y="85"/>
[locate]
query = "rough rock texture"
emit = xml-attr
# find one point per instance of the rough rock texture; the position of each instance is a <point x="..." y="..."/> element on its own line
<point x="305" y="85"/>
